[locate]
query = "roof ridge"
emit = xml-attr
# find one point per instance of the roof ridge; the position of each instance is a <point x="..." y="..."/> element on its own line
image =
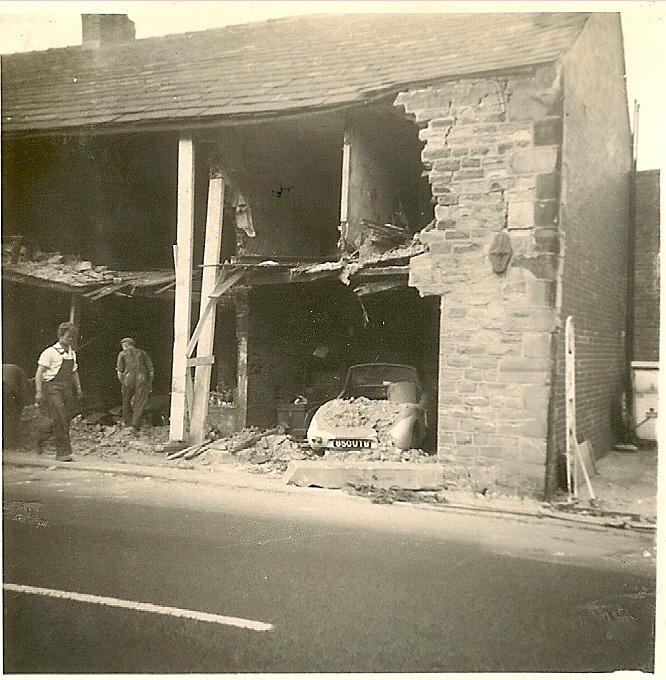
<point x="276" y="20"/>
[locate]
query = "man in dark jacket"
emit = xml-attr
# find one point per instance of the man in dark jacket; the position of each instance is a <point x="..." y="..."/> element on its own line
<point x="135" y="372"/>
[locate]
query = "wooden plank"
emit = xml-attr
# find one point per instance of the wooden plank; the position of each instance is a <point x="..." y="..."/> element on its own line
<point x="398" y="270"/>
<point x="221" y="287"/>
<point x="344" y="192"/>
<point x="570" y="405"/>
<point x="212" y="251"/>
<point x="75" y="317"/>
<point x="200" y="361"/>
<point x="581" y="462"/>
<point x="183" y="297"/>
<point x="242" y="318"/>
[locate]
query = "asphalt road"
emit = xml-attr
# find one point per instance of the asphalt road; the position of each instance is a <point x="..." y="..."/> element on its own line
<point x="347" y="586"/>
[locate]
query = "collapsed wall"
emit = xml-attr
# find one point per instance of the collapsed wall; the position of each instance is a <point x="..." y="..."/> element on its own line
<point x="492" y="153"/>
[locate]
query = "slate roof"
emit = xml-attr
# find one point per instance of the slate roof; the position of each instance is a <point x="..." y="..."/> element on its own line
<point x="269" y="68"/>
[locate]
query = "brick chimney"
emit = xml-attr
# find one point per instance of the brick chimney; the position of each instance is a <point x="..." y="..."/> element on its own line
<point x="104" y="30"/>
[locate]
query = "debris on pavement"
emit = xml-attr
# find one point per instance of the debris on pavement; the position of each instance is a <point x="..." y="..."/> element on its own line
<point x="396" y="494"/>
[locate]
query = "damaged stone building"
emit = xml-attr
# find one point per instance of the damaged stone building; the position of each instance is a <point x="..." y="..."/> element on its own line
<point x="435" y="190"/>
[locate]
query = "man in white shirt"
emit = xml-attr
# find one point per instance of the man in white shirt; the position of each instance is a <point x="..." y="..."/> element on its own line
<point x="55" y="381"/>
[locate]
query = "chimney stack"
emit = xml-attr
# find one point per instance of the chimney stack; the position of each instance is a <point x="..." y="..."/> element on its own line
<point x="104" y="30"/>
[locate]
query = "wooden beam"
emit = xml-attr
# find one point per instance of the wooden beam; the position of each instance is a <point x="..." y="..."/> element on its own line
<point x="221" y="287"/>
<point x="344" y="191"/>
<point x="242" y="312"/>
<point x="183" y="297"/>
<point x="75" y="316"/>
<point x="200" y="361"/>
<point x="212" y="250"/>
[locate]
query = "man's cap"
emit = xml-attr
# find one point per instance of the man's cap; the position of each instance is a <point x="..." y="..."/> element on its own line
<point x="131" y="341"/>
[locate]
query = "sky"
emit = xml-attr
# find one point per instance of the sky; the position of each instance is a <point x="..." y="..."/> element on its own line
<point x="26" y="26"/>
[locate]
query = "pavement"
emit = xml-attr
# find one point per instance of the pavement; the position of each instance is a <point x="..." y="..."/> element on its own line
<point x="128" y="573"/>
<point x="235" y="477"/>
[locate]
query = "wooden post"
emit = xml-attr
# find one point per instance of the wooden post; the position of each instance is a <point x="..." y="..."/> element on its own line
<point x="242" y="312"/>
<point x="75" y="316"/>
<point x="344" y="191"/>
<point x="183" y="302"/>
<point x="212" y="249"/>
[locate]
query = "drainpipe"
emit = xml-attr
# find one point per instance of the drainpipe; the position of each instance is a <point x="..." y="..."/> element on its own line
<point x="631" y="256"/>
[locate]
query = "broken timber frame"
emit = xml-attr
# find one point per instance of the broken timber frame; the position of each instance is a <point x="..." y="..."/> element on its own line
<point x="183" y="302"/>
<point x="204" y="360"/>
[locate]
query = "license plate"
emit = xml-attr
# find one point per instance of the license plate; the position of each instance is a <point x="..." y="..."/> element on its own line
<point x="352" y="443"/>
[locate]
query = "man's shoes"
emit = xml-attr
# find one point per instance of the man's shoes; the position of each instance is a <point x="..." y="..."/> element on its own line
<point x="64" y="459"/>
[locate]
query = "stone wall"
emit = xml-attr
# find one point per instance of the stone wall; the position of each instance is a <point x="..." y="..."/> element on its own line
<point x="646" y="266"/>
<point x="595" y="219"/>
<point x="492" y="152"/>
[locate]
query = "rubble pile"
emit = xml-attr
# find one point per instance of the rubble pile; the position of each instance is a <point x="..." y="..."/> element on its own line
<point x="102" y="439"/>
<point x="381" y="416"/>
<point x="53" y="266"/>
<point x="111" y="440"/>
<point x="269" y="451"/>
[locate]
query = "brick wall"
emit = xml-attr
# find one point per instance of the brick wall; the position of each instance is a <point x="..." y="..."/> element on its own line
<point x="595" y="220"/>
<point x="492" y="152"/>
<point x="646" y="267"/>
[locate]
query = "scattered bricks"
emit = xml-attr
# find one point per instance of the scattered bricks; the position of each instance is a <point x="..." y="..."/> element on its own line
<point x="477" y="401"/>
<point x="548" y="131"/>
<point x="524" y="364"/>
<point x="479" y="151"/>
<point x="537" y="160"/>
<point x="474" y="374"/>
<point x="460" y="152"/>
<point x="466" y="387"/>
<point x="526" y="107"/>
<point x="547" y="241"/>
<point x="520" y="215"/>
<point x="536" y="345"/>
<point x="548" y="186"/>
<point x="547" y="213"/>
<point x="447" y="223"/>
<point x="457" y="361"/>
<point x="471" y="162"/>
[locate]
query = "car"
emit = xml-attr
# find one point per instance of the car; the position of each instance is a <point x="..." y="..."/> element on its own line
<point x="388" y="394"/>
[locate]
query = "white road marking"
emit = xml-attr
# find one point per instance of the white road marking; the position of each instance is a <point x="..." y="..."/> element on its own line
<point x="140" y="606"/>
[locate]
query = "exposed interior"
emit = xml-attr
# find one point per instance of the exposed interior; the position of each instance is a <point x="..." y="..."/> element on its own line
<point x="112" y="200"/>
